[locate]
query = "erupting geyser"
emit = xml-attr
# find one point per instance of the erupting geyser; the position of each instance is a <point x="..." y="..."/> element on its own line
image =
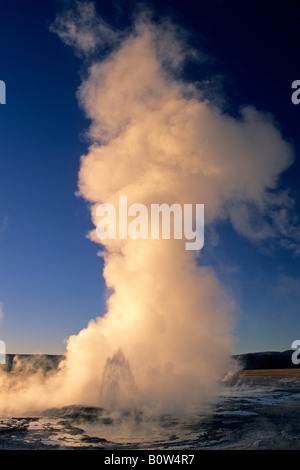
<point x="118" y="384"/>
<point x="166" y="338"/>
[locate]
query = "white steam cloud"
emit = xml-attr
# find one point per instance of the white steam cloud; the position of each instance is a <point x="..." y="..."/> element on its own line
<point x="83" y="29"/>
<point x="166" y="338"/>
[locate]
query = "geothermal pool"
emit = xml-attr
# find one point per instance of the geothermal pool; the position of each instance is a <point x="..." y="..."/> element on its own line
<point x="248" y="413"/>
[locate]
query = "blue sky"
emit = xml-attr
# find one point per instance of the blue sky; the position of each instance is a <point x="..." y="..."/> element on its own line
<point x="51" y="281"/>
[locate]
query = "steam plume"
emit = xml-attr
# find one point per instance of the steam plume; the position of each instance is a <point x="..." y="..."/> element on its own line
<point x="166" y="337"/>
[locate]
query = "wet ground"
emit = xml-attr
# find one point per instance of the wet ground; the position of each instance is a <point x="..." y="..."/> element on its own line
<point x="249" y="413"/>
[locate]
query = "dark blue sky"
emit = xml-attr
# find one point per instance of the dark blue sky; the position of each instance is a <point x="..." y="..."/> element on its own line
<point x="50" y="275"/>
